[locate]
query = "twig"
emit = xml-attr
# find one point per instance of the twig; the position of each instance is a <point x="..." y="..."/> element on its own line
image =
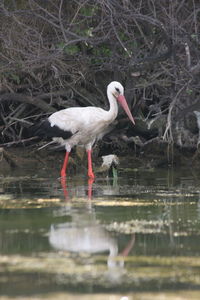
<point x="188" y="56"/>
<point x="19" y="142"/>
<point x="168" y="131"/>
<point x="44" y="146"/>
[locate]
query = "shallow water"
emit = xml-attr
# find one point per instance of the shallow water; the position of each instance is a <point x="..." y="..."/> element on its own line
<point x="134" y="237"/>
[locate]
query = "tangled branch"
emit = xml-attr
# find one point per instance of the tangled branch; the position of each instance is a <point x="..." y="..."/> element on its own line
<point x="57" y="54"/>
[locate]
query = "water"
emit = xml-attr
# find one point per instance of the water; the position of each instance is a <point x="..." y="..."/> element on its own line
<point x="134" y="237"/>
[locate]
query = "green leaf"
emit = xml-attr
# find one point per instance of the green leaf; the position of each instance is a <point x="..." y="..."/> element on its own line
<point x="189" y="91"/>
<point x="88" y="11"/>
<point x="15" y="78"/>
<point x="61" y="45"/>
<point x="71" y="49"/>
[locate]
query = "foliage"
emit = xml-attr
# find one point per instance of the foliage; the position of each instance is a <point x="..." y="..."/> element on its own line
<point x="55" y="54"/>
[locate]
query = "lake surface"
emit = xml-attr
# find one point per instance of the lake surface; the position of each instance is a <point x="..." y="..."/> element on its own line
<point x="136" y="236"/>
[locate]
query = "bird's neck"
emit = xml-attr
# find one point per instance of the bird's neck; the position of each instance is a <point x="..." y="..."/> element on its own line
<point x="113" y="111"/>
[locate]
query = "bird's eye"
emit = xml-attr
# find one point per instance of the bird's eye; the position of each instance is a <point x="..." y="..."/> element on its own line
<point x="117" y="90"/>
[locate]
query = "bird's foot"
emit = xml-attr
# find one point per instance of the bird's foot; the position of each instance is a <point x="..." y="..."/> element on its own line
<point x="91" y="175"/>
<point x="64" y="187"/>
<point x="90" y="182"/>
<point x="63" y="173"/>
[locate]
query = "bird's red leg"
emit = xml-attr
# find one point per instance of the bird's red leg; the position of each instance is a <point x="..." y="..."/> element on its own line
<point x="90" y="172"/>
<point x="64" y="167"/>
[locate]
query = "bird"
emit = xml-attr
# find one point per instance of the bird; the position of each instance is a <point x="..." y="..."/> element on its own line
<point x="83" y="126"/>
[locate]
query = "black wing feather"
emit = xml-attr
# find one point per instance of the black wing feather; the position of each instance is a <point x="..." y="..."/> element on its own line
<point x="45" y="130"/>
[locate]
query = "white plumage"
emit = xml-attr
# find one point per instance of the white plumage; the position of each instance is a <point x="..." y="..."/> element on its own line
<point x="84" y="125"/>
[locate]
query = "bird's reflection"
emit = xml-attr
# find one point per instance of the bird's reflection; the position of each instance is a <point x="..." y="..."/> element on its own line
<point x="106" y="187"/>
<point x="84" y="234"/>
<point x="65" y="190"/>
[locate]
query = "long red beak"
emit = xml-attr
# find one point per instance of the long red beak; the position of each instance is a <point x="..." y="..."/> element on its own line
<point x="122" y="101"/>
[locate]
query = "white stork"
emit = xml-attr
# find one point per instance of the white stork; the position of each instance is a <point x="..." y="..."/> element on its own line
<point x="83" y="125"/>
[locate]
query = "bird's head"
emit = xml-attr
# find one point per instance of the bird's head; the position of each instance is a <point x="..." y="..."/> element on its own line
<point x="117" y="91"/>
